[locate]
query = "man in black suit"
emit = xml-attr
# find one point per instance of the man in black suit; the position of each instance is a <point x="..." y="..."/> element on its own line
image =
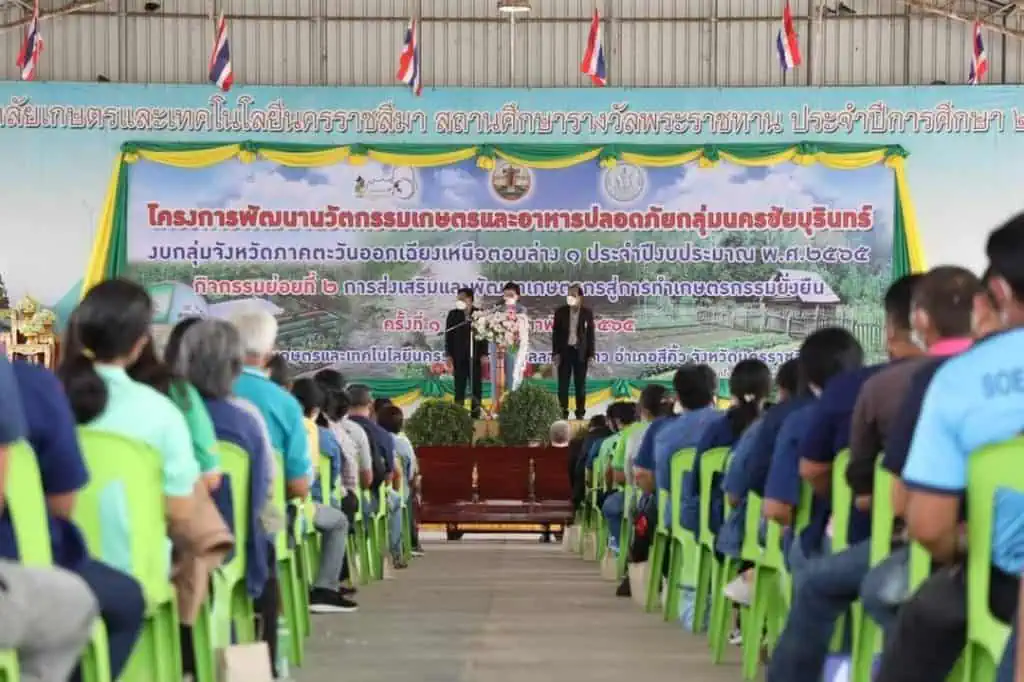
<point x="572" y="348"/>
<point x="465" y="367"/>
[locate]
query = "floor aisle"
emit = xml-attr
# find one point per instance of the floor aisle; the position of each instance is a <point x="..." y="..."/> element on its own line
<point x="501" y="610"/>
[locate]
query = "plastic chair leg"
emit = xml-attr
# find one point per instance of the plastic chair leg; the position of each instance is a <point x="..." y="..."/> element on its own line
<point x="654" y="563"/>
<point x="290" y="606"/>
<point x="243" y="615"/>
<point x="203" y="646"/>
<point x="720" y="608"/>
<point x="673" y="584"/>
<point x="625" y="540"/>
<point x="96" y="657"/>
<point x="755" y="622"/>
<point x="703" y="589"/>
<point x="9" y="671"/>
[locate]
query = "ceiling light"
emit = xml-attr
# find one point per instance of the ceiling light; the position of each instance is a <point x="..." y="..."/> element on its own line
<point x="514" y="6"/>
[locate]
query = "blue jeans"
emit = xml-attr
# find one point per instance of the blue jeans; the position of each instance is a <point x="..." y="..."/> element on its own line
<point x="885" y="587"/>
<point x="122" y="607"/>
<point x="614" y="508"/>
<point x="394" y="520"/>
<point x="1009" y="662"/>
<point x="824" y="588"/>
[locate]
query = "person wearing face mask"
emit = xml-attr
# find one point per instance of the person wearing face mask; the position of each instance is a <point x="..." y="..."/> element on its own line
<point x="515" y="360"/>
<point x="572" y="349"/>
<point x="464" y="365"/>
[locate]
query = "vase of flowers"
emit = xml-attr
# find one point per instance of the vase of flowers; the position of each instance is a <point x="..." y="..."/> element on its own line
<point x="501" y="328"/>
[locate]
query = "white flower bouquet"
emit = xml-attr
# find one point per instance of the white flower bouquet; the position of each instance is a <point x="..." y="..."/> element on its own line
<point x="500" y="327"/>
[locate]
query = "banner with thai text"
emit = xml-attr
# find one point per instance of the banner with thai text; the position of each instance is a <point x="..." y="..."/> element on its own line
<point x="361" y="263"/>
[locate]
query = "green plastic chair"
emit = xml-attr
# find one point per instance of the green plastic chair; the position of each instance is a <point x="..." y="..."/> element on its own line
<point x="656" y="557"/>
<point x="136" y="470"/>
<point x="682" y="552"/>
<point x="753" y="623"/>
<point x="842" y="503"/>
<point x="989" y="470"/>
<point x="232" y="605"/>
<point x="867" y="640"/>
<point x="712" y="462"/>
<point x="26" y="504"/>
<point x="630" y="495"/>
<point x="288" y="577"/>
<point x="722" y="570"/>
<point x="9" y="671"/>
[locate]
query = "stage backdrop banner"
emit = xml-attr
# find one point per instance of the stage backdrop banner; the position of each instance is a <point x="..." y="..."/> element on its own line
<point x="704" y="253"/>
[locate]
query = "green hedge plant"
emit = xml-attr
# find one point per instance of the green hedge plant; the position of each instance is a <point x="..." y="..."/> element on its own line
<point x="439" y="422"/>
<point x="527" y="414"/>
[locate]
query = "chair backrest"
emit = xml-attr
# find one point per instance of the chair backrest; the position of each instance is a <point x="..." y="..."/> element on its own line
<point x="882" y="516"/>
<point x="126" y="477"/>
<point x="235" y="463"/>
<point x="991" y="471"/>
<point x="679" y="465"/>
<point x="842" y="500"/>
<point x="751" y="548"/>
<point x="26" y="505"/>
<point x="326" y="484"/>
<point x="712" y="462"/>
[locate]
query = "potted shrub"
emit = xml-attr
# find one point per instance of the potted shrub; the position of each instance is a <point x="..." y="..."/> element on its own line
<point x="439" y="422"/>
<point x="527" y="415"/>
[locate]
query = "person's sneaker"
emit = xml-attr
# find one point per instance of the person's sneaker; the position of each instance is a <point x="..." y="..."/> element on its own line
<point x="418" y="552"/>
<point x="624" y="589"/>
<point x="346" y="591"/>
<point x="736" y="637"/>
<point x="322" y="600"/>
<point x="738" y="591"/>
<point x="399" y="563"/>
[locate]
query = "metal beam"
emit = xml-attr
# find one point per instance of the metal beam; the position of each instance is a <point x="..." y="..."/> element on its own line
<point x="69" y="8"/>
<point x="928" y="7"/>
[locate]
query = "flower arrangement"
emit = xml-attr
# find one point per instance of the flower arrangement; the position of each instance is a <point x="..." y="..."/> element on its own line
<point x="500" y="327"/>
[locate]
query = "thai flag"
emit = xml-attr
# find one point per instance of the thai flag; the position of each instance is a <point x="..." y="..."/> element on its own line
<point x="221" y="74"/>
<point x="979" y="60"/>
<point x="593" y="59"/>
<point x="31" y="47"/>
<point x="788" y="43"/>
<point x="409" y="60"/>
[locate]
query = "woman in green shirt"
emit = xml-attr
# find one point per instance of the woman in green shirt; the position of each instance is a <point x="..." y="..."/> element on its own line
<point x="150" y="370"/>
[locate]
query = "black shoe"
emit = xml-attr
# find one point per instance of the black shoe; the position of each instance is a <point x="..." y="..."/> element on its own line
<point x="322" y="600"/>
<point x="580" y="416"/>
<point x="624" y="589"/>
<point x="347" y="591"/>
<point x="398" y="563"/>
<point x="565" y="414"/>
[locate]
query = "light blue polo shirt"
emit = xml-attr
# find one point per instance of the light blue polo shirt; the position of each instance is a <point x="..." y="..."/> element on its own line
<point x="135" y="410"/>
<point x="283" y="416"/>
<point x="975" y="399"/>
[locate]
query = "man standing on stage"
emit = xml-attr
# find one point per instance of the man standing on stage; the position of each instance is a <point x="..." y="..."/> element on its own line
<point x="572" y="349"/>
<point x="465" y="366"/>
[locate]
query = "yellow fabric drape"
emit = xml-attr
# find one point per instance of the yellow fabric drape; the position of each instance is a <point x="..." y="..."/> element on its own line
<point x="914" y="246"/>
<point x="650" y="161"/>
<point x="198" y="158"/>
<point x="323" y="157"/>
<point x="423" y="160"/>
<point x="770" y="160"/>
<point x="96" y="268"/>
<point x="552" y="164"/>
<point x="851" y="161"/>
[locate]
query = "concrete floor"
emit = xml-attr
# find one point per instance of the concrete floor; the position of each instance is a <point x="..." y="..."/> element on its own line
<point x="497" y="610"/>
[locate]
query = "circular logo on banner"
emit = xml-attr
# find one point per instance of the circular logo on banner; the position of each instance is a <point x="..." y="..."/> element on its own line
<point x="511" y="182"/>
<point x="625" y="183"/>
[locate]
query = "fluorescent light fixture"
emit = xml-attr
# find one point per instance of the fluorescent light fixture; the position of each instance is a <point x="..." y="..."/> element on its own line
<point x="514" y="6"/>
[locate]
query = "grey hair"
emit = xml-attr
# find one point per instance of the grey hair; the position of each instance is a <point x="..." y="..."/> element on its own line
<point x="258" y="329"/>
<point x="561" y="432"/>
<point x="211" y="357"/>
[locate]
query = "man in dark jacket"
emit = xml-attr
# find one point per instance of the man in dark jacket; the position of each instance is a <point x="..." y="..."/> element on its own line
<point x="465" y="365"/>
<point x="572" y="349"/>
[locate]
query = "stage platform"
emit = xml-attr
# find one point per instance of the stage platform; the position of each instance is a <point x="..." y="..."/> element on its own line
<point x="488" y="428"/>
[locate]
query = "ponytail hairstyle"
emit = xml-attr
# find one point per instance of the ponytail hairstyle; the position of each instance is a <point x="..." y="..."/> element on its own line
<point x="164" y="374"/>
<point x="106" y="327"/>
<point x="750" y="384"/>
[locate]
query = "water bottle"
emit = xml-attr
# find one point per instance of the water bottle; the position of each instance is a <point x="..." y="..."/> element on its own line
<point x="284" y="643"/>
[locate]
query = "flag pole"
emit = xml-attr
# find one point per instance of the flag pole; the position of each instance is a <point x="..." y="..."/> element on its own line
<point x="512" y="49"/>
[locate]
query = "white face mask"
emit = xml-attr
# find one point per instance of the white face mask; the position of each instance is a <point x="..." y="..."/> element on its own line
<point x="510" y="300"/>
<point x="571" y="300"/>
<point x="916" y="339"/>
<point x="460" y="304"/>
<point x="677" y="407"/>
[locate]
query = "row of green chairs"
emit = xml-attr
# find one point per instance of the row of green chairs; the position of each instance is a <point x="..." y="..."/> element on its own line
<point x="693" y="563"/>
<point x="134" y="471"/>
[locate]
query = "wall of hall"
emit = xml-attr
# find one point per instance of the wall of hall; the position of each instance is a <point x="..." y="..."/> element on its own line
<point x="652" y="43"/>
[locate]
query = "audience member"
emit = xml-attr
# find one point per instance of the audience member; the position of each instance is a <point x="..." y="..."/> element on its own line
<point x="560" y="434"/>
<point x="46" y="614"/>
<point x="332" y="523"/>
<point x="278" y="371"/>
<point x="971" y="401"/>
<point x="392" y="419"/>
